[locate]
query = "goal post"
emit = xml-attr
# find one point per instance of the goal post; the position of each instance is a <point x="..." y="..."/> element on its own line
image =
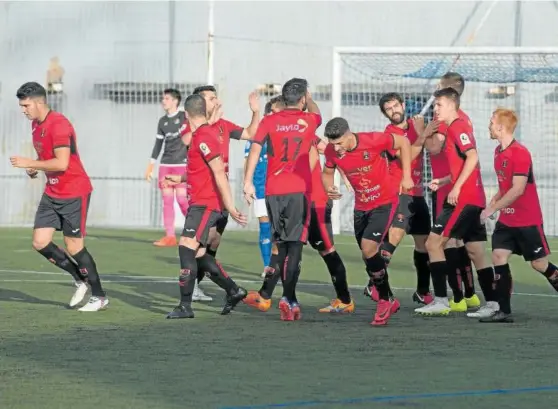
<point x="521" y="78"/>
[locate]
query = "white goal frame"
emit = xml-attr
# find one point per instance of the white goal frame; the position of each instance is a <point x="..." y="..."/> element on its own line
<point x="337" y="78"/>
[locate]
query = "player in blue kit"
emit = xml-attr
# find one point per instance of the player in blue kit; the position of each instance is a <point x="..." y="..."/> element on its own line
<point x="260" y="211"/>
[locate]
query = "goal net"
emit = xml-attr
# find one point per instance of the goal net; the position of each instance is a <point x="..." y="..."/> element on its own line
<point x="522" y="79"/>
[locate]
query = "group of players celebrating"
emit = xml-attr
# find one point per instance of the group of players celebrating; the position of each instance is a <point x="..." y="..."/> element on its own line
<point x="384" y="169"/>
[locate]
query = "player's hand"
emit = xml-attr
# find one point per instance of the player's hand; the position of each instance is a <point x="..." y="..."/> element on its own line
<point x="407" y="183"/>
<point x="238" y="217"/>
<point x="418" y="121"/>
<point x="486" y="214"/>
<point x="435" y="185"/>
<point x="249" y="192"/>
<point x="149" y="172"/>
<point x="333" y="193"/>
<point x="431" y="128"/>
<point x="32" y="173"/>
<point x="171" y="180"/>
<point x="254" y="101"/>
<point x="19" y="162"/>
<point x="453" y="196"/>
<point x="217" y="113"/>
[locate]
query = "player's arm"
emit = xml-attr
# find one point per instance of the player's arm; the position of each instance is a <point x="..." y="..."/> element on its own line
<point x="157" y="148"/>
<point x="218" y="168"/>
<point x="435" y="143"/>
<point x="328" y="176"/>
<point x="59" y="163"/>
<point x="186" y="133"/>
<point x="467" y="148"/>
<point x="249" y="132"/>
<point x="314" y="156"/>
<point x="404" y="146"/>
<point x="312" y="107"/>
<point x="252" y="161"/>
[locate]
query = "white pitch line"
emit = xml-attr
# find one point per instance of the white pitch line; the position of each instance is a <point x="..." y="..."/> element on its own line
<point x="167" y="280"/>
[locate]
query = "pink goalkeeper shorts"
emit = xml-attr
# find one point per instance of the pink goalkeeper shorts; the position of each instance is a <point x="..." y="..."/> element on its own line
<point x="166" y="170"/>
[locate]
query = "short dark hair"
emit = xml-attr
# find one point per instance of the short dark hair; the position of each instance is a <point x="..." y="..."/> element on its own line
<point x="195" y="105"/>
<point x="449" y="93"/>
<point x="204" y="88"/>
<point x="336" y="128"/>
<point x="275" y="100"/>
<point x="454" y="80"/>
<point x="31" y="90"/>
<point x="294" y="90"/>
<point x="390" y="96"/>
<point x="173" y="93"/>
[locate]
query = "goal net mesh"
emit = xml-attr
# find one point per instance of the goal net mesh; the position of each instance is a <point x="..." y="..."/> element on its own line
<point x="527" y="83"/>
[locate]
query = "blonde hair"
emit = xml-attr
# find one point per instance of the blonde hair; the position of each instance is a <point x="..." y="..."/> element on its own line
<point x="507" y="118"/>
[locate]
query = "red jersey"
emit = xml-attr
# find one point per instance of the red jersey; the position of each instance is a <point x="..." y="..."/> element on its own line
<point x="459" y="140"/>
<point x="202" y="188"/>
<point x="417" y="164"/>
<point x="289" y="134"/>
<point x="367" y="169"/>
<point x="57" y="132"/>
<point x="319" y="194"/>
<point x="226" y="131"/>
<point x="515" y="160"/>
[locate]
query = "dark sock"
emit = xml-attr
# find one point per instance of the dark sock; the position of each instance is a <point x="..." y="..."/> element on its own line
<point x="338" y="276"/>
<point x="188" y="273"/>
<point x="386" y="251"/>
<point x="466" y="271"/>
<point x="453" y="261"/>
<point x="292" y="270"/>
<point x="376" y="269"/>
<point x="439" y="270"/>
<point x="551" y="275"/>
<point x="201" y="272"/>
<point x="59" y="258"/>
<point x="486" y="282"/>
<point x="216" y="273"/>
<point x="211" y="252"/>
<point x="503" y="287"/>
<point x="273" y="273"/>
<point x="87" y="267"/>
<point x="423" y="272"/>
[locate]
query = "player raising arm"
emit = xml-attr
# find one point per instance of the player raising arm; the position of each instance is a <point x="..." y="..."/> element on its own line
<point x="361" y="157"/>
<point x="65" y="202"/>
<point x="460" y="216"/>
<point x="210" y="194"/>
<point x="291" y="156"/>
<point x="519" y="229"/>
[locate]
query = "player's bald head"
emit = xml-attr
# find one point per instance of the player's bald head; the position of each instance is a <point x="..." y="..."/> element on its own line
<point x="453" y="80"/>
<point x="195" y="106"/>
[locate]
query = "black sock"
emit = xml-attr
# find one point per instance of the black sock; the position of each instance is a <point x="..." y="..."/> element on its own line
<point x="207" y="263"/>
<point x="453" y="261"/>
<point x="487" y="285"/>
<point x="439" y="270"/>
<point x="60" y="259"/>
<point x="188" y="273"/>
<point x="87" y="267"/>
<point x="376" y="269"/>
<point x="386" y="251"/>
<point x="503" y="287"/>
<point x="551" y="275"/>
<point x="466" y="271"/>
<point x="423" y="272"/>
<point x="338" y="275"/>
<point x="201" y="272"/>
<point x="211" y="252"/>
<point x="292" y="270"/>
<point x="273" y="273"/>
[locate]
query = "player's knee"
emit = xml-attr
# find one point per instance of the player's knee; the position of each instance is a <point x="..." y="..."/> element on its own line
<point x="420" y="243"/>
<point x="499" y="258"/>
<point x="540" y="265"/>
<point x="477" y="254"/>
<point x="396" y="235"/>
<point x="263" y="219"/>
<point x="330" y="250"/>
<point x="434" y="242"/>
<point x="73" y="245"/>
<point x="369" y="248"/>
<point x="188" y="242"/>
<point x="451" y="244"/>
<point x="274" y="249"/>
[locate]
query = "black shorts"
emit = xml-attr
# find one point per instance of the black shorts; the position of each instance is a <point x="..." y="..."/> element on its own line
<point x="199" y="220"/>
<point x="66" y="215"/>
<point x="412" y="215"/>
<point x="320" y="232"/>
<point x="460" y="222"/>
<point x="222" y="222"/>
<point x="289" y="216"/>
<point x="373" y="224"/>
<point x="529" y="242"/>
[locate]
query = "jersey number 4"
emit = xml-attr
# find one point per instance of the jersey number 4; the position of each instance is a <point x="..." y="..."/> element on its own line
<point x="286" y="143"/>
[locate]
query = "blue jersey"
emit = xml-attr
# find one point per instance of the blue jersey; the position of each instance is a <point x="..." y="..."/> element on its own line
<point x="261" y="170"/>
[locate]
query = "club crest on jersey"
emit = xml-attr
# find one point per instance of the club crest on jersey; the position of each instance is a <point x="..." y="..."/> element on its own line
<point x="400" y="218"/>
<point x="166" y="124"/>
<point x="42" y="133"/>
<point x="505" y="163"/>
<point x="177" y="121"/>
<point x="465" y="140"/>
<point x="366" y="155"/>
<point x="205" y="149"/>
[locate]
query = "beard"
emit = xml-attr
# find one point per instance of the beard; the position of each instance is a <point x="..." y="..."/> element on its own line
<point x="397" y="119"/>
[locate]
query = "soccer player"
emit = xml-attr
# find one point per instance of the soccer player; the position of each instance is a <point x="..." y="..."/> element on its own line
<point x="460" y="215"/>
<point x="173" y="161"/>
<point x="259" y="183"/>
<point x="412" y="215"/>
<point x="292" y="155"/>
<point x="210" y="194"/>
<point x="361" y="157"/>
<point x="519" y="229"/>
<point x="461" y="270"/>
<point x="65" y="202"/>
